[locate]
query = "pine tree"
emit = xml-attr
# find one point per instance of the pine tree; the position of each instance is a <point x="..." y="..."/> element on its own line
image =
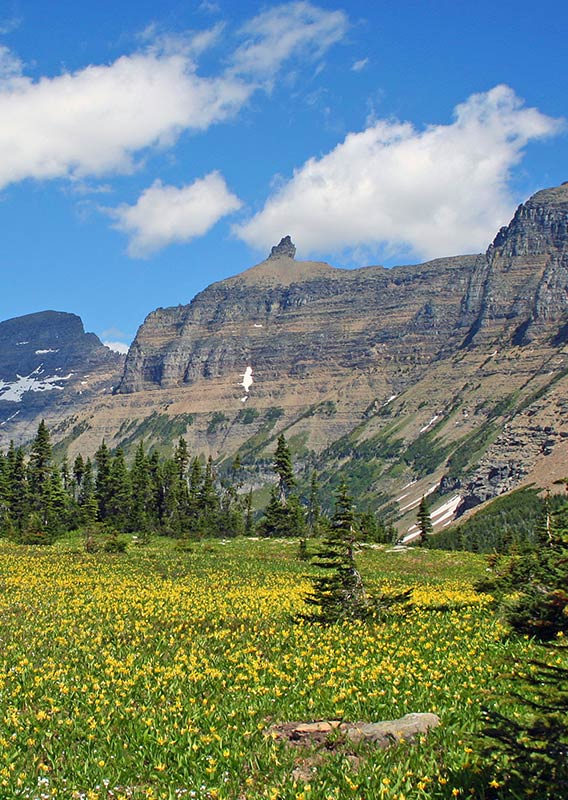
<point x="103" y="489"/>
<point x="284" y="470"/>
<point x="87" y="500"/>
<point x="39" y="472"/>
<point x="424" y="522"/>
<point x="534" y="742"/>
<point x="338" y="593"/>
<point x="119" y="503"/>
<point x="314" y="506"/>
<point x="542" y="608"/>
<point x="141" y="494"/>
<point x="18" y="490"/>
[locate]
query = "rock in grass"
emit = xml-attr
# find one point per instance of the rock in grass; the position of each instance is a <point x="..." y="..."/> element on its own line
<point x="382" y="734"/>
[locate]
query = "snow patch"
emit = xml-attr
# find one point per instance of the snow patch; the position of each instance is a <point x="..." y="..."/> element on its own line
<point x="41" y="352"/>
<point x="13" y="392"/>
<point x="416" y="502"/>
<point x="391" y="398"/>
<point x="257" y="325"/>
<point x="19" y="343"/>
<point x="15" y="414"/>
<point x="246" y="382"/>
<point x="429" y="425"/>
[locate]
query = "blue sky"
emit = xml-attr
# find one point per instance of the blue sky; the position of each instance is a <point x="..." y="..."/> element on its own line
<point x="148" y="149"/>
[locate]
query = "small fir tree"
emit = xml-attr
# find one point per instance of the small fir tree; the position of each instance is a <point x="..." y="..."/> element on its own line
<point x="338" y="593"/>
<point x="424" y="522"/>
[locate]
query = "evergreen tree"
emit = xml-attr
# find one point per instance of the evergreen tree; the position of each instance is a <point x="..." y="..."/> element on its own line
<point x="249" y="516"/>
<point x="208" y="501"/>
<point x="18" y="490"/>
<point x="424" y="522"/>
<point x="534" y="742"/>
<point x="141" y="494"/>
<point x="283" y="515"/>
<point x="542" y="608"/>
<point x="103" y="488"/>
<point x="119" y="503"/>
<point x="284" y="470"/>
<point x="78" y="471"/>
<point x="87" y="500"/>
<point x="39" y="474"/>
<point x="338" y="593"/>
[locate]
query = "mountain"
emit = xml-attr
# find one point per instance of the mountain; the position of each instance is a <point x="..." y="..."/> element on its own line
<point x="448" y="378"/>
<point x="49" y="367"/>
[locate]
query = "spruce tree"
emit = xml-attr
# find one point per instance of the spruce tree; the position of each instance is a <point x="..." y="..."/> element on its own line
<point x="119" y="503"/>
<point x="284" y="470"/>
<point x="338" y="592"/>
<point x="87" y="500"/>
<point x="424" y="522"/>
<point x="141" y="494"/>
<point x="103" y="489"/>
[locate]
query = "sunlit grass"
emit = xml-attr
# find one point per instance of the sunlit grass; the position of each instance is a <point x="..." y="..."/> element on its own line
<point x="154" y="674"/>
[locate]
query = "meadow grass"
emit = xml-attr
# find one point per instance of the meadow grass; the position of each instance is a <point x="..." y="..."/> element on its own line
<point x="155" y="674"/>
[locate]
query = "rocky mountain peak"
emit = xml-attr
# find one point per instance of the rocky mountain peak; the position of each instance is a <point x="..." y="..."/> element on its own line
<point x="285" y="249"/>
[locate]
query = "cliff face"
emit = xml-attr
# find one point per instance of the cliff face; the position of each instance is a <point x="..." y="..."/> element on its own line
<point x="285" y="318"/>
<point x="48" y="366"/>
<point x="288" y="319"/>
<point x="520" y="289"/>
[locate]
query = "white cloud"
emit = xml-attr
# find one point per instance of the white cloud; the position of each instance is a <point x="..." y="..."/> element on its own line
<point x="439" y="191"/>
<point x="118" y="347"/>
<point x="97" y="120"/>
<point x="94" y="121"/>
<point x="10" y="64"/>
<point x="359" y="65"/>
<point x="287" y="30"/>
<point x="167" y="214"/>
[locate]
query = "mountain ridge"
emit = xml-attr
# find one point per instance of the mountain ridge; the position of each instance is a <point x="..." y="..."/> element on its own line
<point x="449" y="377"/>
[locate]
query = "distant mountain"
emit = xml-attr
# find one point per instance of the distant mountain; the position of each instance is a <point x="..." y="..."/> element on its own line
<point x="49" y="367"/>
<point x="448" y="378"/>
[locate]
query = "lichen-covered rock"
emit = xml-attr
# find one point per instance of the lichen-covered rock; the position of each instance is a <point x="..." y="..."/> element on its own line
<point x="381" y="734"/>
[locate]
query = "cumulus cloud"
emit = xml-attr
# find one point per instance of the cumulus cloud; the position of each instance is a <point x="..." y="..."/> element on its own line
<point x="391" y="187"/>
<point x="284" y="31"/>
<point x="167" y="214"/>
<point x="95" y="120"/>
<point x="118" y="347"/>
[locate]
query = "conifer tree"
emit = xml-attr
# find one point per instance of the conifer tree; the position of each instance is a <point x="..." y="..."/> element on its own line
<point x="284" y="470"/>
<point x="78" y="471"/>
<point x="39" y="473"/>
<point x="103" y="489"/>
<point x="338" y="593"/>
<point x="18" y="490"/>
<point x="249" y="517"/>
<point x="87" y="500"/>
<point x="119" y="503"/>
<point x="424" y="522"/>
<point x="314" y="506"/>
<point x="141" y="493"/>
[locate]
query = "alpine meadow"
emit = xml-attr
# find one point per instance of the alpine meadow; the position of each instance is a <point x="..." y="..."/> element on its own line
<point x="283" y="400"/>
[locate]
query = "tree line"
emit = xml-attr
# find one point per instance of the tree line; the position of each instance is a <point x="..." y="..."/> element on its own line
<point x="180" y="496"/>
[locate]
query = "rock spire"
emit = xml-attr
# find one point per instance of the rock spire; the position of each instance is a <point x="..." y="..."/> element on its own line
<point x="286" y="249"/>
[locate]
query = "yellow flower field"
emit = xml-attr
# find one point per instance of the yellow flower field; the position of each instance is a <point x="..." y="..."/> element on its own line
<point x="155" y="674"/>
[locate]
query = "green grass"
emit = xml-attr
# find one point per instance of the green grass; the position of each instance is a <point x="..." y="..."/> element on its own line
<point x="154" y="674"/>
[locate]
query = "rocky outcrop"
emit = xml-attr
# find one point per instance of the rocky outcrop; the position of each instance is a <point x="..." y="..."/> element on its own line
<point x="285" y="249"/>
<point x="48" y="367"/>
<point x="519" y="291"/>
